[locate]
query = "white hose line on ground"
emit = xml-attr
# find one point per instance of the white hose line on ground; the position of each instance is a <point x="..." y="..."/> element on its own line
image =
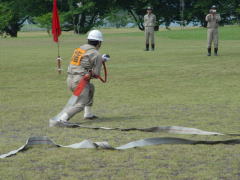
<point x="88" y="144"/>
<point x="159" y="129"/>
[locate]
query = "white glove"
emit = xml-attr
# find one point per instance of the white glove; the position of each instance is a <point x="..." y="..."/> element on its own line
<point x="105" y="57"/>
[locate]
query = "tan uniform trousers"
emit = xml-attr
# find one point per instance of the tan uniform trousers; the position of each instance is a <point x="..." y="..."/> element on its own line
<point x="149" y="34"/>
<point x="213" y="37"/>
<point x="86" y="97"/>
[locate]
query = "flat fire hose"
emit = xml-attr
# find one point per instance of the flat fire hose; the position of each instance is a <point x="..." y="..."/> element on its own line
<point x="88" y="144"/>
<point x="156" y="129"/>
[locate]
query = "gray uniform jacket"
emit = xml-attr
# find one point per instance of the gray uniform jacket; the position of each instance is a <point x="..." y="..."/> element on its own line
<point x="149" y="20"/>
<point x="213" y="21"/>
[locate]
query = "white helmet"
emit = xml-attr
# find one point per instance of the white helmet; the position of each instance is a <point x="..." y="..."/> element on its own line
<point x="95" y="35"/>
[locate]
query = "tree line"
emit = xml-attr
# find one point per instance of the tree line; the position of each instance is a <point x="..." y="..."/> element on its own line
<point x="82" y="15"/>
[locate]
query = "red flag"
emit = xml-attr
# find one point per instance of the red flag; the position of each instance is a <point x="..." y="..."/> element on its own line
<point x="56" y="29"/>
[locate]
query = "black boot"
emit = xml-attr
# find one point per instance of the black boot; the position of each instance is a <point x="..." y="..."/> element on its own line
<point x="147" y="47"/>
<point x="153" y="47"/>
<point x="215" y="51"/>
<point x="209" y="52"/>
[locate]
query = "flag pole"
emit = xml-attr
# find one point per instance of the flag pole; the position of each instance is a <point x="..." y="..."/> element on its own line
<point x="58" y="49"/>
<point x="56" y="31"/>
<point x="59" y="59"/>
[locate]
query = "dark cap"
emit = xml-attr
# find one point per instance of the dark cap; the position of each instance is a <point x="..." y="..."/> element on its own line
<point x="214" y="7"/>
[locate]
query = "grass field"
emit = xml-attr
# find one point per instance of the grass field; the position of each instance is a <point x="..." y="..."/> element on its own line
<point x="175" y="85"/>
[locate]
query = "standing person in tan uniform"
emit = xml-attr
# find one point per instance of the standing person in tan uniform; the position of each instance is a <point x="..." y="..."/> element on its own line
<point x="213" y="19"/>
<point x="149" y="24"/>
<point x="84" y="60"/>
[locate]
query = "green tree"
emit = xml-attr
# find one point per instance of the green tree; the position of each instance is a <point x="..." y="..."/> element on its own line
<point x="11" y="19"/>
<point x="169" y="11"/>
<point x="238" y="14"/>
<point x="165" y="11"/>
<point x="18" y="11"/>
<point x="82" y="15"/>
<point x="119" y="18"/>
<point x="227" y="9"/>
<point x="5" y="16"/>
<point x="85" y="14"/>
<point x="44" y="21"/>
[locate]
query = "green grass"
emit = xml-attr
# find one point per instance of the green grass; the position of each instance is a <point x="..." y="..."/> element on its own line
<point x="226" y="33"/>
<point x="175" y="85"/>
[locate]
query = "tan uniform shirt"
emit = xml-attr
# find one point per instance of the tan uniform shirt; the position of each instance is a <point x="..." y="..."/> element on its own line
<point x="91" y="60"/>
<point x="149" y="20"/>
<point x="213" y="21"/>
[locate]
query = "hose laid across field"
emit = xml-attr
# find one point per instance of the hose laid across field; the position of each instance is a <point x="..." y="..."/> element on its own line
<point x="88" y="144"/>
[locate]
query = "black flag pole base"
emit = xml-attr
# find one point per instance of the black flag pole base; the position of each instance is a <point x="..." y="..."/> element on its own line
<point x="59" y="62"/>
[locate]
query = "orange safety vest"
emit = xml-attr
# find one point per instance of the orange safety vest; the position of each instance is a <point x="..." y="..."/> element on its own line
<point x="77" y="56"/>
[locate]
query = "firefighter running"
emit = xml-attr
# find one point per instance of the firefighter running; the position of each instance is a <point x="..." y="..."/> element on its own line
<point x="85" y="59"/>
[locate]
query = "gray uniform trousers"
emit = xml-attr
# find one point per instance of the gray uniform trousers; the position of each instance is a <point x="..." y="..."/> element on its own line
<point x="212" y="37"/>
<point x="85" y="98"/>
<point x="149" y="34"/>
